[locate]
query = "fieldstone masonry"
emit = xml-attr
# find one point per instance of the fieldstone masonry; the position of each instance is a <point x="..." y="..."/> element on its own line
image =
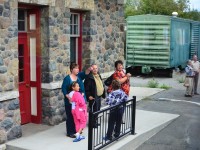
<point x="103" y="43"/>
<point x="103" y="35"/>
<point x="10" y="121"/>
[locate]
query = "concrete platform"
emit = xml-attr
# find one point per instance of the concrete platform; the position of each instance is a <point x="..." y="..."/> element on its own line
<point x="55" y="139"/>
<point x="39" y="137"/>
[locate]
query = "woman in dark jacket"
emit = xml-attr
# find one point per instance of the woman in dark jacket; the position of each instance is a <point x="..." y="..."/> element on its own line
<point x="94" y="90"/>
<point x="78" y="77"/>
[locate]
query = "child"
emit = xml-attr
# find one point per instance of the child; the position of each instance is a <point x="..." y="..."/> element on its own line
<point x="79" y="110"/>
<point x="116" y="97"/>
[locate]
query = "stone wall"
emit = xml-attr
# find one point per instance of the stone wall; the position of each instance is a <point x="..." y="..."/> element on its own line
<point x="75" y="4"/>
<point x="53" y="107"/>
<point x="8" y="46"/>
<point x="10" y="121"/>
<point x="103" y="35"/>
<point x="55" y="45"/>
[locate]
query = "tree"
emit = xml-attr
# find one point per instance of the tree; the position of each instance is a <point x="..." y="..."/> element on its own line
<point x="161" y="7"/>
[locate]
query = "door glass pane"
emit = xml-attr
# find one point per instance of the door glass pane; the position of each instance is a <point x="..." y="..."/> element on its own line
<point x="32" y="22"/>
<point x="34" y="101"/>
<point x="33" y="58"/>
<point x="21" y="49"/>
<point x="21" y="75"/>
<point x="21" y="62"/>
<point x="73" y="49"/>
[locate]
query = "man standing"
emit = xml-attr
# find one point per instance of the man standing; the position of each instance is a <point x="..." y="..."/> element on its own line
<point x="196" y="67"/>
<point x="94" y="90"/>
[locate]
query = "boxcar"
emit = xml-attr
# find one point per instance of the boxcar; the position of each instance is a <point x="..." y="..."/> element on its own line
<point x="157" y="42"/>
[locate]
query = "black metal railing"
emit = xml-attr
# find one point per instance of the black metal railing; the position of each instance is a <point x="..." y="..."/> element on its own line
<point x="97" y="134"/>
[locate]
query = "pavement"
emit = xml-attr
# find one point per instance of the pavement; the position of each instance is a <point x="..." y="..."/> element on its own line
<point x="148" y="123"/>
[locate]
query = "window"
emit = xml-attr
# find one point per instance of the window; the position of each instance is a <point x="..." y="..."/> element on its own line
<point x="21" y="20"/>
<point x="74" y="25"/>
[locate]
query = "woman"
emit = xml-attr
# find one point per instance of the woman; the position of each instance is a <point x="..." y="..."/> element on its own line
<point x="189" y="79"/>
<point x="78" y="77"/>
<point x="94" y="89"/>
<point x="123" y="78"/>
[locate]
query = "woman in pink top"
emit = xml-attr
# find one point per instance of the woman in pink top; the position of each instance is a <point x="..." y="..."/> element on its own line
<point x="79" y="110"/>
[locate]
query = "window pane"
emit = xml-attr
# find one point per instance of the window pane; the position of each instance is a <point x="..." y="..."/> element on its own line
<point x="21" y="50"/>
<point x="76" y="29"/>
<point x="21" y="25"/>
<point x="71" y="29"/>
<point x="72" y="49"/>
<point x="21" y="15"/>
<point x="71" y="18"/>
<point x="76" y="19"/>
<point x="21" y="75"/>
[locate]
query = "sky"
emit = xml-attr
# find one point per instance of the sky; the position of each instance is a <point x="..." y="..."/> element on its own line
<point x="195" y="4"/>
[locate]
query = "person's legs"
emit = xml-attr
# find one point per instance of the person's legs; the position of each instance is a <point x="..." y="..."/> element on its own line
<point x="190" y="88"/>
<point x="119" y="115"/>
<point x="111" y="123"/>
<point x="70" y="126"/>
<point x="94" y="106"/>
<point x="196" y="79"/>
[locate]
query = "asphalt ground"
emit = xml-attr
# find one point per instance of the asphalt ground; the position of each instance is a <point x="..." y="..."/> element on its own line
<point x="184" y="132"/>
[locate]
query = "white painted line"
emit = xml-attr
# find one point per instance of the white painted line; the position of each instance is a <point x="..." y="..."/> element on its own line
<point x="176" y="100"/>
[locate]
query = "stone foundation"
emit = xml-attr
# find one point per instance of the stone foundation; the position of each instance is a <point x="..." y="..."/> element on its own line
<point x="10" y="120"/>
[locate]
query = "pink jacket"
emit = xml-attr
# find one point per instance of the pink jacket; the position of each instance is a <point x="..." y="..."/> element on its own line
<point x="80" y="110"/>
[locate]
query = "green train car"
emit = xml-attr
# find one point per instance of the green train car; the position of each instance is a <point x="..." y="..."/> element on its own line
<point x="160" y="43"/>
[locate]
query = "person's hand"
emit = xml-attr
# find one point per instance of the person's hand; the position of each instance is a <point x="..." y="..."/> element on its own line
<point x="91" y="98"/>
<point x="128" y="75"/>
<point x="88" y="70"/>
<point x="69" y="98"/>
<point x="82" y="94"/>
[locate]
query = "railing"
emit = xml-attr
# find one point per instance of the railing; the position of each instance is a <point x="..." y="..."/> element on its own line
<point x="96" y="135"/>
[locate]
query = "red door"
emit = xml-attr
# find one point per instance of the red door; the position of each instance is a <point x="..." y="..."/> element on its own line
<point x="29" y="65"/>
<point x="24" y="78"/>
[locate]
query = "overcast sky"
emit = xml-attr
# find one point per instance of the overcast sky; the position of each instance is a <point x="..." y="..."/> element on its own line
<point x="195" y="4"/>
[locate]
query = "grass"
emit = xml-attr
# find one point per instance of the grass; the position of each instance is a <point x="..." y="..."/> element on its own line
<point x="164" y="86"/>
<point x="153" y="84"/>
<point x="181" y="80"/>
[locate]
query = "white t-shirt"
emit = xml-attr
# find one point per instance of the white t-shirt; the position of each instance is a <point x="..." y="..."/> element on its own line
<point x="196" y="66"/>
<point x="73" y="103"/>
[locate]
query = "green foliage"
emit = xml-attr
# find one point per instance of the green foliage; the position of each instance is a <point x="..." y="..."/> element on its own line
<point x="152" y="84"/>
<point x="181" y="80"/>
<point x="164" y="86"/>
<point x="161" y="7"/>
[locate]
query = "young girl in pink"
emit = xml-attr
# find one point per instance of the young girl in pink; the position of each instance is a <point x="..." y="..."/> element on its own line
<point x="79" y="110"/>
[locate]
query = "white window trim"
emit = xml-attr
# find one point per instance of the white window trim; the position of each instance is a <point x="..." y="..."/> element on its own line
<point x="76" y="35"/>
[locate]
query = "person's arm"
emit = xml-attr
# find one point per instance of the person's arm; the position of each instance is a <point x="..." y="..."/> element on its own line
<point x="122" y="80"/>
<point x="81" y="75"/>
<point x="87" y="84"/>
<point x="64" y="87"/>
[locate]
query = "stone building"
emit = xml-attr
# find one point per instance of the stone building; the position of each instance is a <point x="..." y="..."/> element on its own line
<point x="38" y="40"/>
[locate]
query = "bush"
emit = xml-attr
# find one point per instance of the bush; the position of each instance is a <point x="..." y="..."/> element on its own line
<point x="181" y="80"/>
<point x="164" y="86"/>
<point x="153" y="84"/>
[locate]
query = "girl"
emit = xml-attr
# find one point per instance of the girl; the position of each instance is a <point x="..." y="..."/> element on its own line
<point x="79" y="110"/>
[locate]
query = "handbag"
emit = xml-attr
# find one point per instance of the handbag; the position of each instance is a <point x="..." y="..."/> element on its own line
<point x="108" y="81"/>
<point x="186" y="82"/>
